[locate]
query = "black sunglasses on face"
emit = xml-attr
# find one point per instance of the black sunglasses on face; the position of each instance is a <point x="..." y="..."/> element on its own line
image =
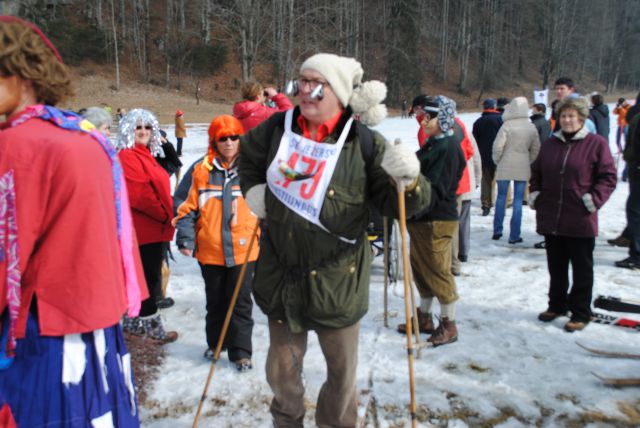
<point x="139" y="127"/>
<point x="228" y="137"/>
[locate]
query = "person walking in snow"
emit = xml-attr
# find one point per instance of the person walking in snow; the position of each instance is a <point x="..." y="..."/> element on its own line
<point x="572" y="178"/>
<point x="152" y="208"/>
<point x="252" y="110"/>
<point x="312" y="173"/>
<point x="180" y="130"/>
<point x="68" y="259"/>
<point x="442" y="162"/>
<point x="216" y="224"/>
<point x="516" y="147"/>
<point x="485" y="129"/>
<point x="599" y="115"/>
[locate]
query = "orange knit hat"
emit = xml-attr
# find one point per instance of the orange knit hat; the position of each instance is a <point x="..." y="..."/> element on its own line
<point x="179" y="112"/>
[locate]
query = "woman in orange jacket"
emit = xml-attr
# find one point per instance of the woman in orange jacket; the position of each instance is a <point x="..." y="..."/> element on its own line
<point x="217" y="224"/>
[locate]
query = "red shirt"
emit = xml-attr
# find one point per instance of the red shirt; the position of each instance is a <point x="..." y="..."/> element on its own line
<point x="324" y="130"/>
<point x="67" y="233"/>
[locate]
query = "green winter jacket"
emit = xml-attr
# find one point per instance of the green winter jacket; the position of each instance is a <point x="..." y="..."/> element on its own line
<point x="304" y="275"/>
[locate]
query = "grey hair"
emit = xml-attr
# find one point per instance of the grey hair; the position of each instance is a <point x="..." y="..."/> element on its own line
<point x="579" y="104"/>
<point x="98" y="116"/>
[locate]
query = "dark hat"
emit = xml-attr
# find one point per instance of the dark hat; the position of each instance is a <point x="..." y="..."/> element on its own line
<point x="489" y="104"/>
<point x="419" y="100"/>
<point x="502" y="101"/>
<point x="164" y="134"/>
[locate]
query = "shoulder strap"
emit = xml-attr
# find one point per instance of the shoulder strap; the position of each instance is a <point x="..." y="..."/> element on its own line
<point x="366" y="143"/>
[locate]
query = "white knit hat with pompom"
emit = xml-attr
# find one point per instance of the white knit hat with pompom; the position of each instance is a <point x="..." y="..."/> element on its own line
<point x="345" y="77"/>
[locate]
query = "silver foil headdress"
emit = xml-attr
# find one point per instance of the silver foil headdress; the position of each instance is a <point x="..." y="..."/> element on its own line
<point x="127" y="130"/>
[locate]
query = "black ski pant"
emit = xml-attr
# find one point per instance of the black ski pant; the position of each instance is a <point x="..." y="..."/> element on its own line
<point x="562" y="251"/>
<point x="152" y="256"/>
<point x="220" y="282"/>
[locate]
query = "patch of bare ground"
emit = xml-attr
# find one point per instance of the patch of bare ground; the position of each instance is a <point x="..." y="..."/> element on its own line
<point x="147" y="357"/>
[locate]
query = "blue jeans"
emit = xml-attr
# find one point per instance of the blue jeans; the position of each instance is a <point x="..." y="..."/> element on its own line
<point x="501" y="202"/>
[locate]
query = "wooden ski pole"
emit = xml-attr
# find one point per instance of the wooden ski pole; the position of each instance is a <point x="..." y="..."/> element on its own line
<point x="407" y="304"/>
<point x="225" y="326"/>
<point x="178" y="176"/>
<point x="416" y="325"/>
<point x="385" y="230"/>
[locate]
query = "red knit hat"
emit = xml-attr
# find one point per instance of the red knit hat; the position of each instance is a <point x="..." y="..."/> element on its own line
<point x="34" y="27"/>
<point x="179" y="112"/>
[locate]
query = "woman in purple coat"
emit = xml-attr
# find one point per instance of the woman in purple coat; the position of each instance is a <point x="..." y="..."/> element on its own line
<point x="573" y="177"/>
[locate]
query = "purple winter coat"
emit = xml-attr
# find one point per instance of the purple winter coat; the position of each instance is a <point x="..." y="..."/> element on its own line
<point x="563" y="173"/>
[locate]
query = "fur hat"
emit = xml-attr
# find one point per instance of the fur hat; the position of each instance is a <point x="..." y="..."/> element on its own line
<point x="443" y="108"/>
<point x="579" y="104"/>
<point x="345" y="77"/>
<point x="127" y="129"/>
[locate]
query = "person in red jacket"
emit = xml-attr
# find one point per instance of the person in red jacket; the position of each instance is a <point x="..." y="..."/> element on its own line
<point x="152" y="208"/>
<point x="252" y="111"/>
<point x="68" y="266"/>
<point x="217" y="224"/>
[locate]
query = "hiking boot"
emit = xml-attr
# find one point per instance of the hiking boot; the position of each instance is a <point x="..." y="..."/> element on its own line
<point x="540" y="245"/>
<point x="463" y="258"/>
<point x="485" y="211"/>
<point x="572" y="326"/>
<point x="425" y="322"/>
<point x="620" y="241"/>
<point x="628" y="263"/>
<point x="243" y="364"/>
<point x="165" y="303"/>
<point x="445" y="333"/>
<point x="515" y="241"/>
<point x="496" y="236"/>
<point x="154" y="329"/>
<point x="549" y="315"/>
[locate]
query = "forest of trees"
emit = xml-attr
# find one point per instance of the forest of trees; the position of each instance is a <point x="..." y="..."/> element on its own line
<point x="469" y="45"/>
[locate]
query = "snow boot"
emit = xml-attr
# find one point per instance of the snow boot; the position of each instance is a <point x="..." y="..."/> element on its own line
<point x="243" y="364"/>
<point x="549" y="315"/>
<point x="572" y="326"/>
<point x="620" y="241"/>
<point x="425" y="322"/>
<point x="445" y="333"/>
<point x="132" y="325"/>
<point x="154" y="329"/>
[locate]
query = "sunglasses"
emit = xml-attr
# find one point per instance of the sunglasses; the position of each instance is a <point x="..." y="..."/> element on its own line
<point x="147" y="127"/>
<point x="228" y="137"/>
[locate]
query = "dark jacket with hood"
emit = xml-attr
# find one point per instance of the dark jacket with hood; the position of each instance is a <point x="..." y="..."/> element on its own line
<point x="485" y="130"/>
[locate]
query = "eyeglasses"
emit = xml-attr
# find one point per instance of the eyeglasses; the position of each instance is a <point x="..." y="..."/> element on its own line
<point x="228" y="137"/>
<point x="147" y="127"/>
<point x="302" y="81"/>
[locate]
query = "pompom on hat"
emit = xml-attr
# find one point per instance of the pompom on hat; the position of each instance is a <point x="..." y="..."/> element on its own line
<point x="345" y="77"/>
<point x="127" y="130"/>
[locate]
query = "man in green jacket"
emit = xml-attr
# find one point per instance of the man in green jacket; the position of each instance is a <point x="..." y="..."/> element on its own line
<point x="312" y="173"/>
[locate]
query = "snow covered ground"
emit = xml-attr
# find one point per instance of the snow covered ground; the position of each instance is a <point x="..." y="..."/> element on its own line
<point x="507" y="369"/>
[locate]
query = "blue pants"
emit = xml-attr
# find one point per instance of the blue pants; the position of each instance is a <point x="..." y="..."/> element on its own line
<point x="501" y="203"/>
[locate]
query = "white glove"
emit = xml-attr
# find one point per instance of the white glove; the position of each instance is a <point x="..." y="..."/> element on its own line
<point x="532" y="199"/>
<point x="400" y="162"/>
<point x="587" y="200"/>
<point x="255" y="200"/>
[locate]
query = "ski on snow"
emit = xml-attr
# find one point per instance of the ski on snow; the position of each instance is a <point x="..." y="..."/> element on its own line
<point x="601" y="318"/>
<point x="618" y="381"/>
<point x="610" y="354"/>
<point x="617" y="304"/>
